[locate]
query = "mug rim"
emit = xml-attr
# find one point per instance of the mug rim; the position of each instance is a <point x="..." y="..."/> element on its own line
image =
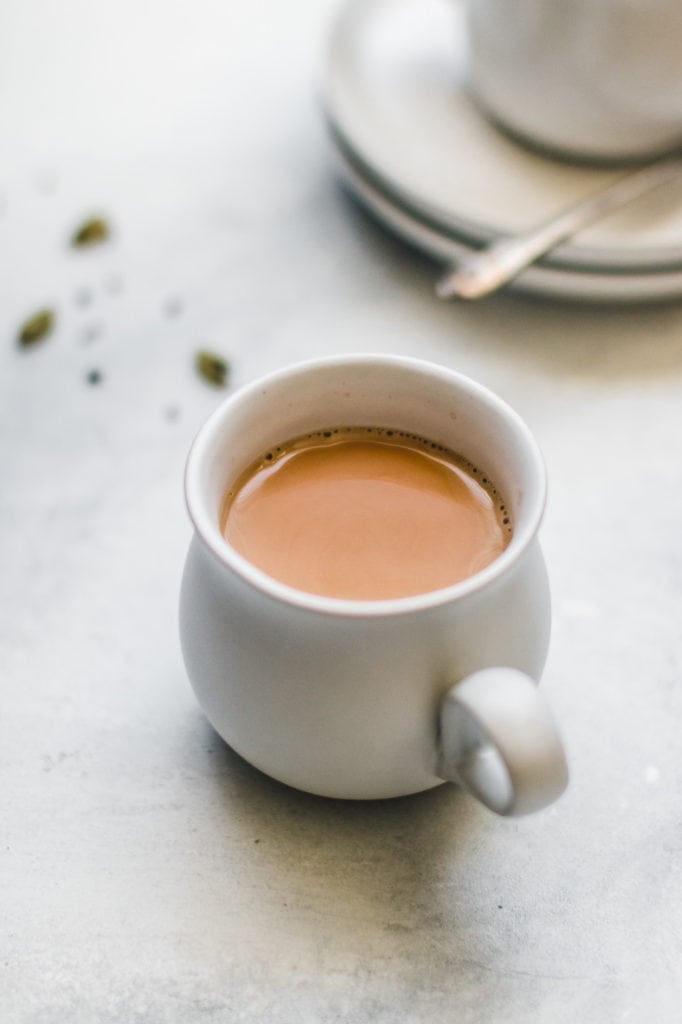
<point x="215" y="543"/>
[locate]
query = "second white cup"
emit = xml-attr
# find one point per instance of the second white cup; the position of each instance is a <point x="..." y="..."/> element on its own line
<point x="593" y="79"/>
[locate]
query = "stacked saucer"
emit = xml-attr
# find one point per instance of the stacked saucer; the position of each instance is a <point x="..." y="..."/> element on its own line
<point x="413" y="147"/>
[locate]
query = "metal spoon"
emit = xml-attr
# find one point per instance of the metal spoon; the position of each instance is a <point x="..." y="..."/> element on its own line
<point x="488" y="269"/>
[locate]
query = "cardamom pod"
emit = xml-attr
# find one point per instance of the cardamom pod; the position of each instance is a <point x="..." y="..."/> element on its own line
<point x="91" y="232"/>
<point x="36" y="328"/>
<point x="213" y="368"/>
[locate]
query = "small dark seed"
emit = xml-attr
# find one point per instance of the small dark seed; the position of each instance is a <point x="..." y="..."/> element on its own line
<point x="213" y="368"/>
<point x="83" y="296"/>
<point x="91" y="232"/>
<point x="94" y="377"/>
<point x="36" y="328"/>
<point x="91" y="333"/>
<point x="173" y="307"/>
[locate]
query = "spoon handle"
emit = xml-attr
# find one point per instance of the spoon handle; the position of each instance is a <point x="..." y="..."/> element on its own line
<point x="488" y="269"/>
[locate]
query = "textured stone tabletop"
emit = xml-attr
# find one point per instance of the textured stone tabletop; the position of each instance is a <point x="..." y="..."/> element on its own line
<point x="147" y="874"/>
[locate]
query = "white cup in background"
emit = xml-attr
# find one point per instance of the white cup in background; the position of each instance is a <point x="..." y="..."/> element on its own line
<point x="590" y="79"/>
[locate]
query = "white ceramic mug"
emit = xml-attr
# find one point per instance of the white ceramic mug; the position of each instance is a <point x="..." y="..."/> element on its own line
<point x="373" y="699"/>
<point x="595" y="79"/>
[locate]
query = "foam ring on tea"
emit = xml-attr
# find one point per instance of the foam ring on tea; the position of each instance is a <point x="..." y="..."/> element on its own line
<point x="365" y="513"/>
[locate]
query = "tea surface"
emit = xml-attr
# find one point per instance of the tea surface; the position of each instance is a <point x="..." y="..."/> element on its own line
<point x="365" y="514"/>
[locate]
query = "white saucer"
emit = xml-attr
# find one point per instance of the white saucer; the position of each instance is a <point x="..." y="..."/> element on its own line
<point x="555" y="282"/>
<point x="394" y="92"/>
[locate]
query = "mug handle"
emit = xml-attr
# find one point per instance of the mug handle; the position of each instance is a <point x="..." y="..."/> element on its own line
<point x="499" y="741"/>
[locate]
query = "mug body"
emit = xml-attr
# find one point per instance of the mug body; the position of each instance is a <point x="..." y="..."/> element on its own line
<point x="341" y="697"/>
<point x="594" y="80"/>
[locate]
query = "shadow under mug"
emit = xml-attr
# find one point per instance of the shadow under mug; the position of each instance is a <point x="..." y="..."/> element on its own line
<point x="375" y="699"/>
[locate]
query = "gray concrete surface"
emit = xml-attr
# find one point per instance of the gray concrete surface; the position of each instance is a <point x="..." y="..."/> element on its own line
<point x="147" y="874"/>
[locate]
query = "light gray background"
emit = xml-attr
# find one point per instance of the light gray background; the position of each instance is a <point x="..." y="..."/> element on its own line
<point x="148" y="875"/>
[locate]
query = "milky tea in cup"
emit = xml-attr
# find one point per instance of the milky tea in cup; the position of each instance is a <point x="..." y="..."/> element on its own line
<point x="364" y="610"/>
<point x="365" y="513"/>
